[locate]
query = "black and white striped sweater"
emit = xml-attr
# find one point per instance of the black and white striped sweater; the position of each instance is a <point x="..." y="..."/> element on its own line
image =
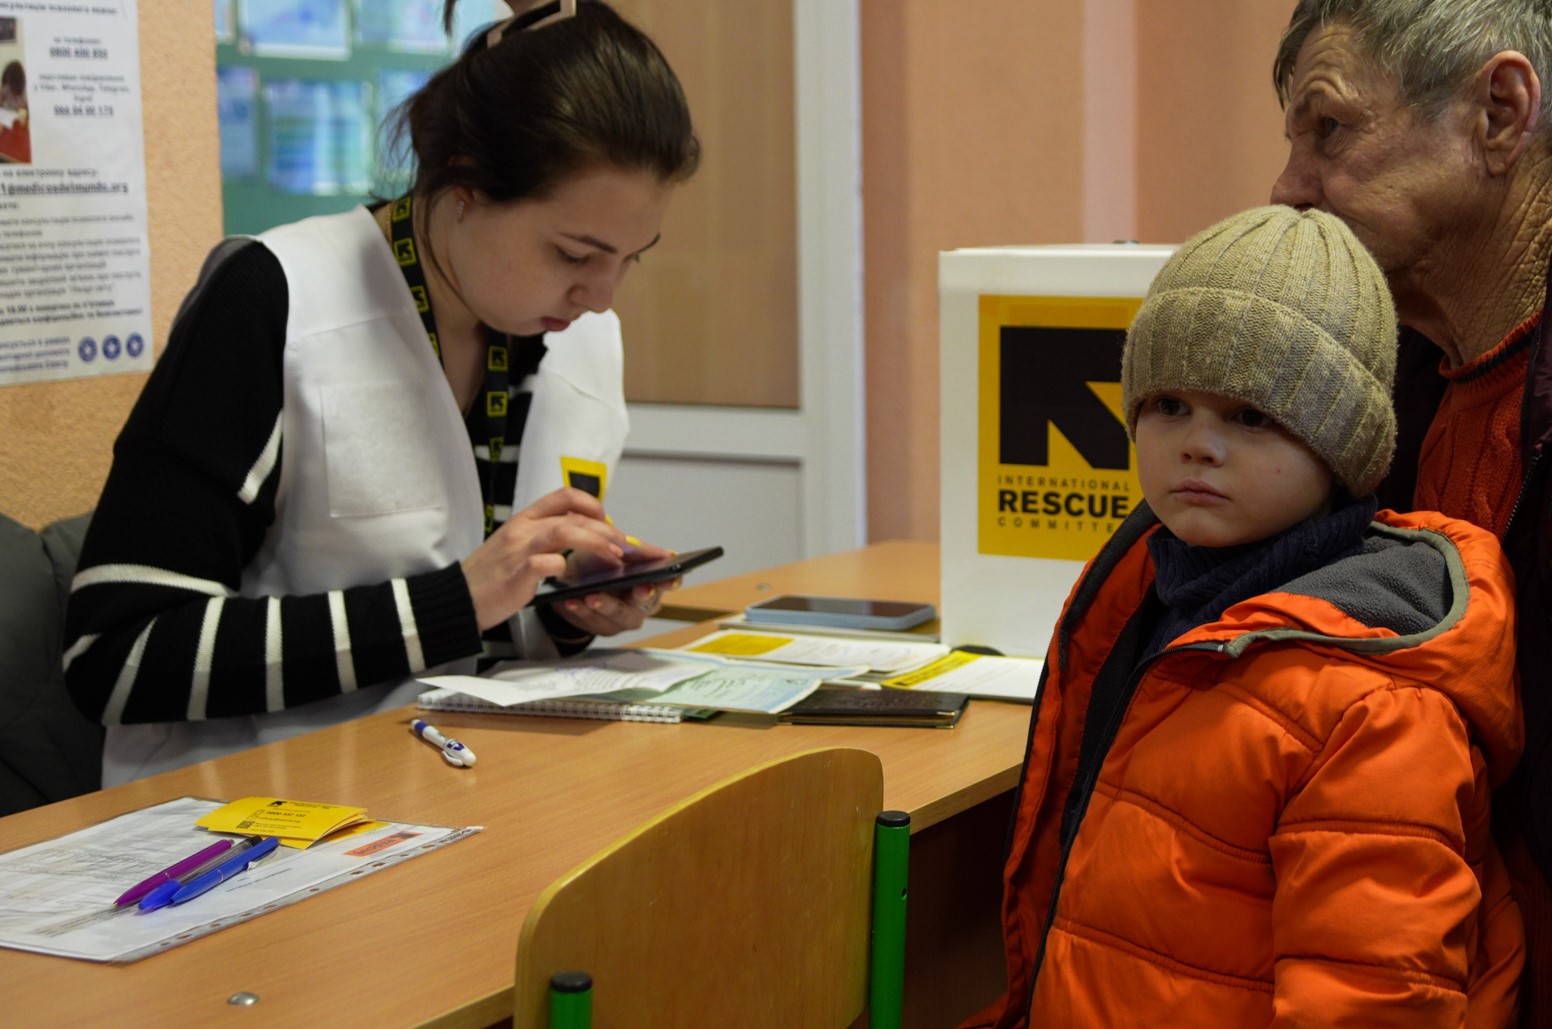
<point x="155" y="629"/>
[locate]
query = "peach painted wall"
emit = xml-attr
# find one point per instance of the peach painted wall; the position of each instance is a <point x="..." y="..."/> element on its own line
<point x="1003" y="121"/>
<point x="1057" y="121"/>
<point x="56" y="438"/>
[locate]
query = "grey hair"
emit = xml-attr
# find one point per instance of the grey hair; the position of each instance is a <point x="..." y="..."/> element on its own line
<point x="1430" y="48"/>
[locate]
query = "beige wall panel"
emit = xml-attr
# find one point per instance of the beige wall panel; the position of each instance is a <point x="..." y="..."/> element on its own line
<point x="974" y="133"/>
<point x="710" y="316"/>
<point x="970" y="138"/>
<point x="1210" y="131"/>
<point x="56" y="438"/>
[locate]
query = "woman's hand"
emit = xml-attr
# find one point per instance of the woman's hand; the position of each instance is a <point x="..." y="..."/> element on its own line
<point x="605" y="614"/>
<point x="506" y="570"/>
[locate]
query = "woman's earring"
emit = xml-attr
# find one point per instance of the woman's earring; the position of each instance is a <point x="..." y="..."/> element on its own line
<point x="460" y="210"/>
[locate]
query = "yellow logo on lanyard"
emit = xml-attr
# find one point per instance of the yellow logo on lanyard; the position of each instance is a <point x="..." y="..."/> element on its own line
<point x="587" y="476"/>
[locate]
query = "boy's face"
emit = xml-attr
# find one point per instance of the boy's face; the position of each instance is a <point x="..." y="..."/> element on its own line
<point x="1218" y="472"/>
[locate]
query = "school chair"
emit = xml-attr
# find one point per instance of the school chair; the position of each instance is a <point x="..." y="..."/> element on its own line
<point x="747" y="904"/>
<point x="48" y="750"/>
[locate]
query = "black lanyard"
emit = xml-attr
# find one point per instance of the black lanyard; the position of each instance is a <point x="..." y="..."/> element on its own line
<point x="487" y="419"/>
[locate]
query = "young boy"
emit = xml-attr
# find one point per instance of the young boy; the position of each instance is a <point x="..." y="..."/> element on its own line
<point x="1256" y="790"/>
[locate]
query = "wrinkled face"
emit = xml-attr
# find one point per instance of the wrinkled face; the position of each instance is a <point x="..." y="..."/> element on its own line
<point x="1219" y="473"/>
<point x="1355" y="150"/>
<point x="535" y="265"/>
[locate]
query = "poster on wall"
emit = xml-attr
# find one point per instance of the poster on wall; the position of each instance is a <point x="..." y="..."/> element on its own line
<point x="1056" y="471"/>
<point x="75" y="275"/>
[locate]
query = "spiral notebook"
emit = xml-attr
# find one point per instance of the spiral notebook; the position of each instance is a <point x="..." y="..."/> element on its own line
<point x="565" y="707"/>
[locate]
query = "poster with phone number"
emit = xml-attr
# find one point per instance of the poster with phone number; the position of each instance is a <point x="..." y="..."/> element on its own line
<point x="75" y="283"/>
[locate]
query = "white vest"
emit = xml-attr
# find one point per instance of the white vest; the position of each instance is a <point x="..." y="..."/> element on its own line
<point x="376" y="478"/>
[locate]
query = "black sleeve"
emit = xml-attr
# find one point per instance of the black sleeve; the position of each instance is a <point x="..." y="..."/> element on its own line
<point x="155" y="630"/>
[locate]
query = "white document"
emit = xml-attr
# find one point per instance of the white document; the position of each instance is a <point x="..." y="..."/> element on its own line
<point x="602" y="671"/>
<point x="976" y="675"/>
<point x="798" y="648"/>
<point x="59" y="894"/>
<point x="735" y="687"/>
<point x="75" y="285"/>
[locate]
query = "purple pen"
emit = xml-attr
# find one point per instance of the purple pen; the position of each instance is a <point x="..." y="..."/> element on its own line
<point x="172" y="872"/>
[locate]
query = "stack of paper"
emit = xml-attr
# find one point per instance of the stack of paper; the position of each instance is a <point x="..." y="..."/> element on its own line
<point x="821" y="651"/>
<point x="989" y="676"/>
<point x="643" y="677"/>
<point x="904" y="664"/>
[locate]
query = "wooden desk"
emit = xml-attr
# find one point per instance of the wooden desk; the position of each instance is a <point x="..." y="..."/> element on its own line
<point x="433" y="941"/>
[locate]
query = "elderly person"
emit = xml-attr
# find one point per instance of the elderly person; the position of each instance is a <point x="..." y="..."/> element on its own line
<point x="1425" y="126"/>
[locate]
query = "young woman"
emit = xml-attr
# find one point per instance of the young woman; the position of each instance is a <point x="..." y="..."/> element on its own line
<point x="371" y="435"/>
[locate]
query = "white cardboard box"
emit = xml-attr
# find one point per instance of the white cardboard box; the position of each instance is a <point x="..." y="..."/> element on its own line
<point x="1037" y="471"/>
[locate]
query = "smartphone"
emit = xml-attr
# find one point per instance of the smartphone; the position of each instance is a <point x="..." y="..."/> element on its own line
<point x="840" y="612"/>
<point x="614" y="580"/>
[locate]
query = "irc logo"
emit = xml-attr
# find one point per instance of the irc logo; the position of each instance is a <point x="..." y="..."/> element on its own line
<point x="587" y="476"/>
<point x="1054" y="466"/>
<point x="1045" y="377"/>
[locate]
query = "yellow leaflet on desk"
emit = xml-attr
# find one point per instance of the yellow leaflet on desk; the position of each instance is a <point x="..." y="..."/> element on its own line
<point x="986" y="676"/>
<point x="298" y="823"/>
<point x="887" y="656"/>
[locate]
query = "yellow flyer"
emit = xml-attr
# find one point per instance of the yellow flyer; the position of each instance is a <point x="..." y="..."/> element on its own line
<point x="742" y="644"/>
<point x="298" y="823"/>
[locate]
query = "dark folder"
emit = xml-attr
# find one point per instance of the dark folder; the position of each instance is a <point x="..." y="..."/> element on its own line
<point x="887" y="706"/>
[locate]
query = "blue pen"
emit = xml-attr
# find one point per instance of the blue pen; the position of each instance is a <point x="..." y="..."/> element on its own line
<point x="162" y="895"/>
<point x="177" y="870"/>
<point x="225" y="870"/>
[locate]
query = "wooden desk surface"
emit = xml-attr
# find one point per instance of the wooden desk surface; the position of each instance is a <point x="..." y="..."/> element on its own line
<point x="894" y="570"/>
<point x="407" y="944"/>
<point x="434" y="940"/>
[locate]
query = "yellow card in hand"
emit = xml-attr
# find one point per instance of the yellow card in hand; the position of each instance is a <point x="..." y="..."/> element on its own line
<point x="298" y="823"/>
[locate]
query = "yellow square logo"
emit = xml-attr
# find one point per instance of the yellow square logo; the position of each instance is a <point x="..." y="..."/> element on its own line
<point x="1056" y="473"/>
<point x="587" y="476"/>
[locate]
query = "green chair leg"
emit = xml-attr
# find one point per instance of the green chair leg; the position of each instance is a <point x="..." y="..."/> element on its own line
<point x="571" y="1000"/>
<point x="886" y="975"/>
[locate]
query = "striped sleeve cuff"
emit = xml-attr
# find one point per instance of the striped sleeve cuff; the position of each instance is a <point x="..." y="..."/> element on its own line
<point x="444" y="615"/>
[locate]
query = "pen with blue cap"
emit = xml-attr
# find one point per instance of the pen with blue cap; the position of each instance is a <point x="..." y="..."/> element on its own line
<point x="162" y="895"/>
<point x="225" y="870"/>
<point x="172" y="872"/>
<point x="453" y="752"/>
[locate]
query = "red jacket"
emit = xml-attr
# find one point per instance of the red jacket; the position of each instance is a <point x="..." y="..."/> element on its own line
<point x="1285" y="819"/>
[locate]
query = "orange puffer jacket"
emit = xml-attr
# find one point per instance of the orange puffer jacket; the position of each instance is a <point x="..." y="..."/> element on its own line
<point x="1283" y="820"/>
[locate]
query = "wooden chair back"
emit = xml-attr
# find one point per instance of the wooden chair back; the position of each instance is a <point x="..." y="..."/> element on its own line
<point x="747" y="905"/>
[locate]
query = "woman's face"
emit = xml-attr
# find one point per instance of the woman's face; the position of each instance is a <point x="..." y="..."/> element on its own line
<point x="531" y="266"/>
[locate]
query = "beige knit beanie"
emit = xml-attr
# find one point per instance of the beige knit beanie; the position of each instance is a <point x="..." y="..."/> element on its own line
<point x="1286" y="311"/>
